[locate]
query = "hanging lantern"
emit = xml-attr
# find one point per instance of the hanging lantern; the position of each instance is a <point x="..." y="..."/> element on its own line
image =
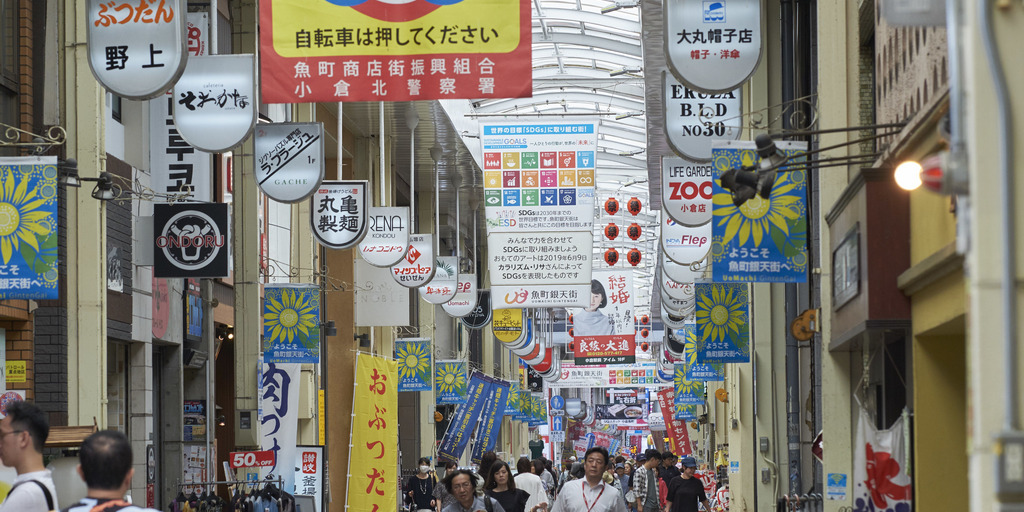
<point x="644" y="333"/>
<point x="644" y="346"/>
<point x="611" y="231"/>
<point x="611" y="206"/>
<point x="572" y="344"/>
<point x="633" y="256"/>
<point x="633" y="231"/>
<point x="611" y="257"/>
<point x="644" y="319"/>
<point x="569" y="318"/>
<point x="634" y="206"/>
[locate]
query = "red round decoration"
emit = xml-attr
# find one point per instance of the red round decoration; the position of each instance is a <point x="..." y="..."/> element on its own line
<point x="611" y="257"/>
<point x="633" y="231"/>
<point x="611" y="206"/>
<point x="570" y="335"/>
<point x="634" y="206"/>
<point x="644" y="319"/>
<point x="570" y="318"/>
<point x="633" y="256"/>
<point x="611" y="231"/>
<point x="644" y="346"/>
<point x="645" y="332"/>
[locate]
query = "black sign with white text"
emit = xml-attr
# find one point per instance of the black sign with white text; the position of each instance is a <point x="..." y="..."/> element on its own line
<point x="191" y="240"/>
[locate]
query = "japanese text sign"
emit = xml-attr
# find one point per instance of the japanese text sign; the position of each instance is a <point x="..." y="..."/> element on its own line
<point x="136" y="47"/>
<point x="415" y="364"/>
<point x="289" y="160"/>
<point x="279" y="417"/>
<point x="605" y="332"/>
<point x="309" y="474"/>
<point x="686" y="191"/>
<point x="417" y="267"/>
<point x="358" y="50"/>
<point x="490" y="419"/>
<point x="374" y="478"/>
<point x="607" y="376"/>
<point x="387" y="236"/>
<point x="689" y="392"/>
<point x="762" y="240"/>
<point x="678" y="436"/>
<point x="291" y="323"/>
<point x="28" y="244"/>
<point x="713" y="46"/>
<point x="443" y="286"/>
<point x="450" y="382"/>
<point x="723" y="323"/>
<point x="462" y="424"/>
<point x="215" y="101"/>
<point x="705" y="371"/>
<point x="338" y="213"/>
<point x="178" y="169"/>
<point x="464" y="301"/>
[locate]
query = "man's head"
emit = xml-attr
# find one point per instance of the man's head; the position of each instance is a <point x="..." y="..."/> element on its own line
<point x="22" y="434"/>
<point x="594" y="463"/>
<point x="105" y="461"/>
<point x="620" y="468"/>
<point x="461" y="483"/>
<point x="668" y="459"/>
<point x="652" y="458"/>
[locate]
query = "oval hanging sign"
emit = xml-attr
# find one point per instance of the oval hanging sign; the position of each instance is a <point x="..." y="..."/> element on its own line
<point x="481" y="314"/>
<point x="417" y="267"/>
<point x="387" y="236"/>
<point x="686" y="190"/>
<point x="693" y="119"/>
<point x="507" y="324"/>
<point x="684" y="244"/>
<point x="289" y="160"/>
<point x="678" y="291"/>
<point x="215" y="101"/>
<point x="442" y="287"/>
<point x="338" y="213"/>
<point x="712" y="46"/>
<point x="671" y="320"/>
<point x="464" y="300"/>
<point x="682" y="273"/>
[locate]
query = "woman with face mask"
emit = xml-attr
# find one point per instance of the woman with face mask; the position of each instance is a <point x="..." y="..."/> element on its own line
<point x="420" y="489"/>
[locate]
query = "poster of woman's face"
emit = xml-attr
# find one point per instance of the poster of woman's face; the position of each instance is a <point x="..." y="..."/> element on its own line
<point x="611" y="306"/>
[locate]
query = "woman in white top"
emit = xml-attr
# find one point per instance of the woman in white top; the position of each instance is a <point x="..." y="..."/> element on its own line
<point x="590" y="321"/>
<point x="530" y="483"/>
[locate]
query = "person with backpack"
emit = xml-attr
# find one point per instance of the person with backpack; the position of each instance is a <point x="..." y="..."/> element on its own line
<point x="105" y="464"/>
<point x="22" y="434"/>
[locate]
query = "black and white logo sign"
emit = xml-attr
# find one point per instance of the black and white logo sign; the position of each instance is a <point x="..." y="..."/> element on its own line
<point x="289" y="160"/>
<point x="338" y="213"/>
<point x="693" y="119"/>
<point x="481" y="314"/>
<point x="191" y="240"/>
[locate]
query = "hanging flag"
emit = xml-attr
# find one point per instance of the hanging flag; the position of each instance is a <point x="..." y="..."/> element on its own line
<point x="450" y="382"/>
<point x="512" y="405"/>
<point x="684" y="412"/>
<point x="291" y="323"/>
<point x="465" y="418"/>
<point x="338" y="213"/>
<point x="490" y="419"/>
<point x="698" y="371"/>
<point x="880" y="478"/>
<point x="762" y="240"/>
<point x="28" y="244"/>
<point x="678" y="436"/>
<point x="688" y="392"/>
<point x="373" y="461"/>
<point x="723" y="323"/>
<point x="414" y="364"/>
<point x="604" y="332"/>
<point x="279" y="418"/>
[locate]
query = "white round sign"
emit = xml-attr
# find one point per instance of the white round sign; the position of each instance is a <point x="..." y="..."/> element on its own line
<point x="682" y="273"/>
<point x="289" y="159"/>
<point x="686" y="190"/>
<point x="684" y="244"/>
<point x="445" y="283"/>
<point x="693" y="119"/>
<point x="465" y="297"/>
<point x="417" y="267"/>
<point x="387" y="235"/>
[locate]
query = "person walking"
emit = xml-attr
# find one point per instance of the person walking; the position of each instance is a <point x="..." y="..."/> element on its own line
<point x="645" y="483"/>
<point x="420" y="488"/>
<point x="105" y="464"/>
<point x="443" y="498"/>
<point x="531" y="483"/>
<point x="668" y="469"/>
<point x="686" y="490"/>
<point x="590" y="494"/>
<point x="22" y="434"/>
<point x="462" y="483"/>
<point x="501" y="486"/>
<point x="540" y="469"/>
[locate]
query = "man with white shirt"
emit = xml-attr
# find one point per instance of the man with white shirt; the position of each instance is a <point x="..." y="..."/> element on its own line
<point x="22" y="434"/>
<point x="590" y="494"/>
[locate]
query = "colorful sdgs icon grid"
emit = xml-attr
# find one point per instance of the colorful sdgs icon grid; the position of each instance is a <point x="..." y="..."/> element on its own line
<point x="536" y="178"/>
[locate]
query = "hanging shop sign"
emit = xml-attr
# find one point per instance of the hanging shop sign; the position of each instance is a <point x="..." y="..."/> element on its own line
<point x="608" y="376"/>
<point x="373" y="462"/>
<point x="463" y="423"/>
<point x="684" y="244"/>
<point x="684" y="412"/>
<point x="678" y="436"/>
<point x="362" y="50"/>
<point x="490" y="419"/>
<point x="705" y="371"/>
<point x="464" y="301"/>
<point x="693" y="119"/>
<point x="387" y="236"/>
<point x="279" y="417"/>
<point x="723" y="323"/>
<point x="509" y="325"/>
<point x="416" y="268"/>
<point x="215" y="101"/>
<point x="712" y="46"/>
<point x="338" y="213"/>
<point x="672" y="322"/>
<point x="29" y="241"/>
<point x="881" y="470"/>
<point x="291" y="323"/>
<point x="762" y="240"/>
<point x="681" y="306"/>
<point x="683" y="273"/>
<point x="442" y="287"/>
<point x="604" y="332"/>
<point x="480" y="316"/>
<point x="309" y="474"/>
<point x="688" y="392"/>
<point x="136" y="51"/>
<point x="178" y="169"/>
<point x="289" y="160"/>
<point x="191" y="240"/>
<point x="682" y="292"/>
<point x="415" y="363"/>
<point x="539" y="209"/>
<point x="686" y="190"/>
<point x="450" y="382"/>
<point x="621" y="415"/>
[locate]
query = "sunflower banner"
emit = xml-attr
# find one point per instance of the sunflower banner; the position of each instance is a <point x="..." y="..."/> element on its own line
<point x="688" y="392"/>
<point x="414" y="364"/>
<point x="684" y="412"/>
<point x="723" y="323"/>
<point x="761" y="240"/>
<point x="450" y="379"/>
<point x="512" y="405"/>
<point x="29" y="240"/>
<point x="704" y="371"/>
<point x="291" y="323"/>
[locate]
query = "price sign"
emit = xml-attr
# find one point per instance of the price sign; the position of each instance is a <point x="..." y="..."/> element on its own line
<point x="251" y="459"/>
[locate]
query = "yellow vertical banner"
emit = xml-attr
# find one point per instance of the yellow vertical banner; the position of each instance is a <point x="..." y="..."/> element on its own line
<point x="373" y="460"/>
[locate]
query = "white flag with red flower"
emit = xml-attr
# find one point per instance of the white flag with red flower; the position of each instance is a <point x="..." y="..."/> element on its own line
<point x="880" y="478"/>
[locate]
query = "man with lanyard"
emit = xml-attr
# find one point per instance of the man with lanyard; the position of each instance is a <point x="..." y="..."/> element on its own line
<point x="645" y="483"/>
<point x="591" y="494"/>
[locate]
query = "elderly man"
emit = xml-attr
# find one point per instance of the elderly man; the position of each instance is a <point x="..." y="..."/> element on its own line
<point x="591" y="494"/>
<point x="462" y="483"/>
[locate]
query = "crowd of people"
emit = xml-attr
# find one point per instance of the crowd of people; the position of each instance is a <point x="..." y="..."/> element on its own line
<point x="655" y="482"/>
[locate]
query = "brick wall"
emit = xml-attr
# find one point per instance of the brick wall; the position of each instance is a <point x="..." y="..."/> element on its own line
<point x="26" y="98"/>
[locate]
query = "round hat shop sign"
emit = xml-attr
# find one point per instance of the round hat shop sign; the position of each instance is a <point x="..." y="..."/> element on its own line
<point x="417" y="267"/>
<point x="289" y="160"/>
<point x="445" y="283"/>
<point x="387" y="237"/>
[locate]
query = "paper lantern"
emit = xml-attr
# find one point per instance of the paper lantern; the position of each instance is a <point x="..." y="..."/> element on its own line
<point x="634" y="206"/>
<point x="645" y="319"/>
<point x="634" y="231"/>
<point x="611" y="206"/>
<point x="633" y="256"/>
<point x="611" y="231"/>
<point x="611" y="257"/>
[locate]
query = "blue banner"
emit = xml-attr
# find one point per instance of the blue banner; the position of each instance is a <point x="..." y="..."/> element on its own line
<point x="466" y="415"/>
<point x="28" y="243"/>
<point x="450" y="382"/>
<point x="689" y="392"/>
<point x="723" y="323"/>
<point x="762" y="240"/>
<point x="685" y="412"/>
<point x="512" y="408"/>
<point x="490" y="420"/>
<point x="291" y="323"/>
<point x="414" y="364"/>
<point x="694" y="370"/>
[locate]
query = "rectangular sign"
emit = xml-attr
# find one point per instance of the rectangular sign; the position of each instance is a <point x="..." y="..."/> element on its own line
<point x="707" y="371"/>
<point x="415" y="364"/>
<point x="490" y="419"/>
<point x="678" y="436"/>
<point x="309" y="474"/>
<point x="608" y="376"/>
<point x="279" y="417"/>
<point x="331" y="51"/>
<point x="621" y="415"/>
<point x="605" y="332"/>
<point x="689" y="392"/>
<point x="539" y="296"/>
<point x="29" y="247"/>
<point x="291" y="323"/>
<point x="191" y="240"/>
<point x="16" y="371"/>
<point x="450" y="382"/>
<point x="521" y="257"/>
<point x="253" y="459"/>
<point x="178" y="169"/>
<point x="726" y="340"/>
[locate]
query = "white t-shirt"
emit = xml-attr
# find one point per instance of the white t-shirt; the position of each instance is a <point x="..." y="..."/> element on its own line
<point x="29" y="497"/>
<point x="532" y="484"/>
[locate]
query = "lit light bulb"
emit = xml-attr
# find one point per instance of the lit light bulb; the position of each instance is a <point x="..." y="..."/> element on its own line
<point x="908" y="175"/>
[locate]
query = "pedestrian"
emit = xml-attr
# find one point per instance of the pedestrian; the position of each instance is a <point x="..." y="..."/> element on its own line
<point x="627" y="483"/>
<point x="591" y="494"/>
<point x="645" y="483"/>
<point x="540" y="469"/>
<point x="461" y="483"/>
<point x="442" y="497"/>
<point x="22" y="434"/>
<point x="686" y="490"/>
<point x="623" y="478"/>
<point x="531" y="483"/>
<point x="668" y="466"/>
<point x="486" y="460"/>
<point x="501" y="486"/>
<point x="420" y="488"/>
<point x="105" y="464"/>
